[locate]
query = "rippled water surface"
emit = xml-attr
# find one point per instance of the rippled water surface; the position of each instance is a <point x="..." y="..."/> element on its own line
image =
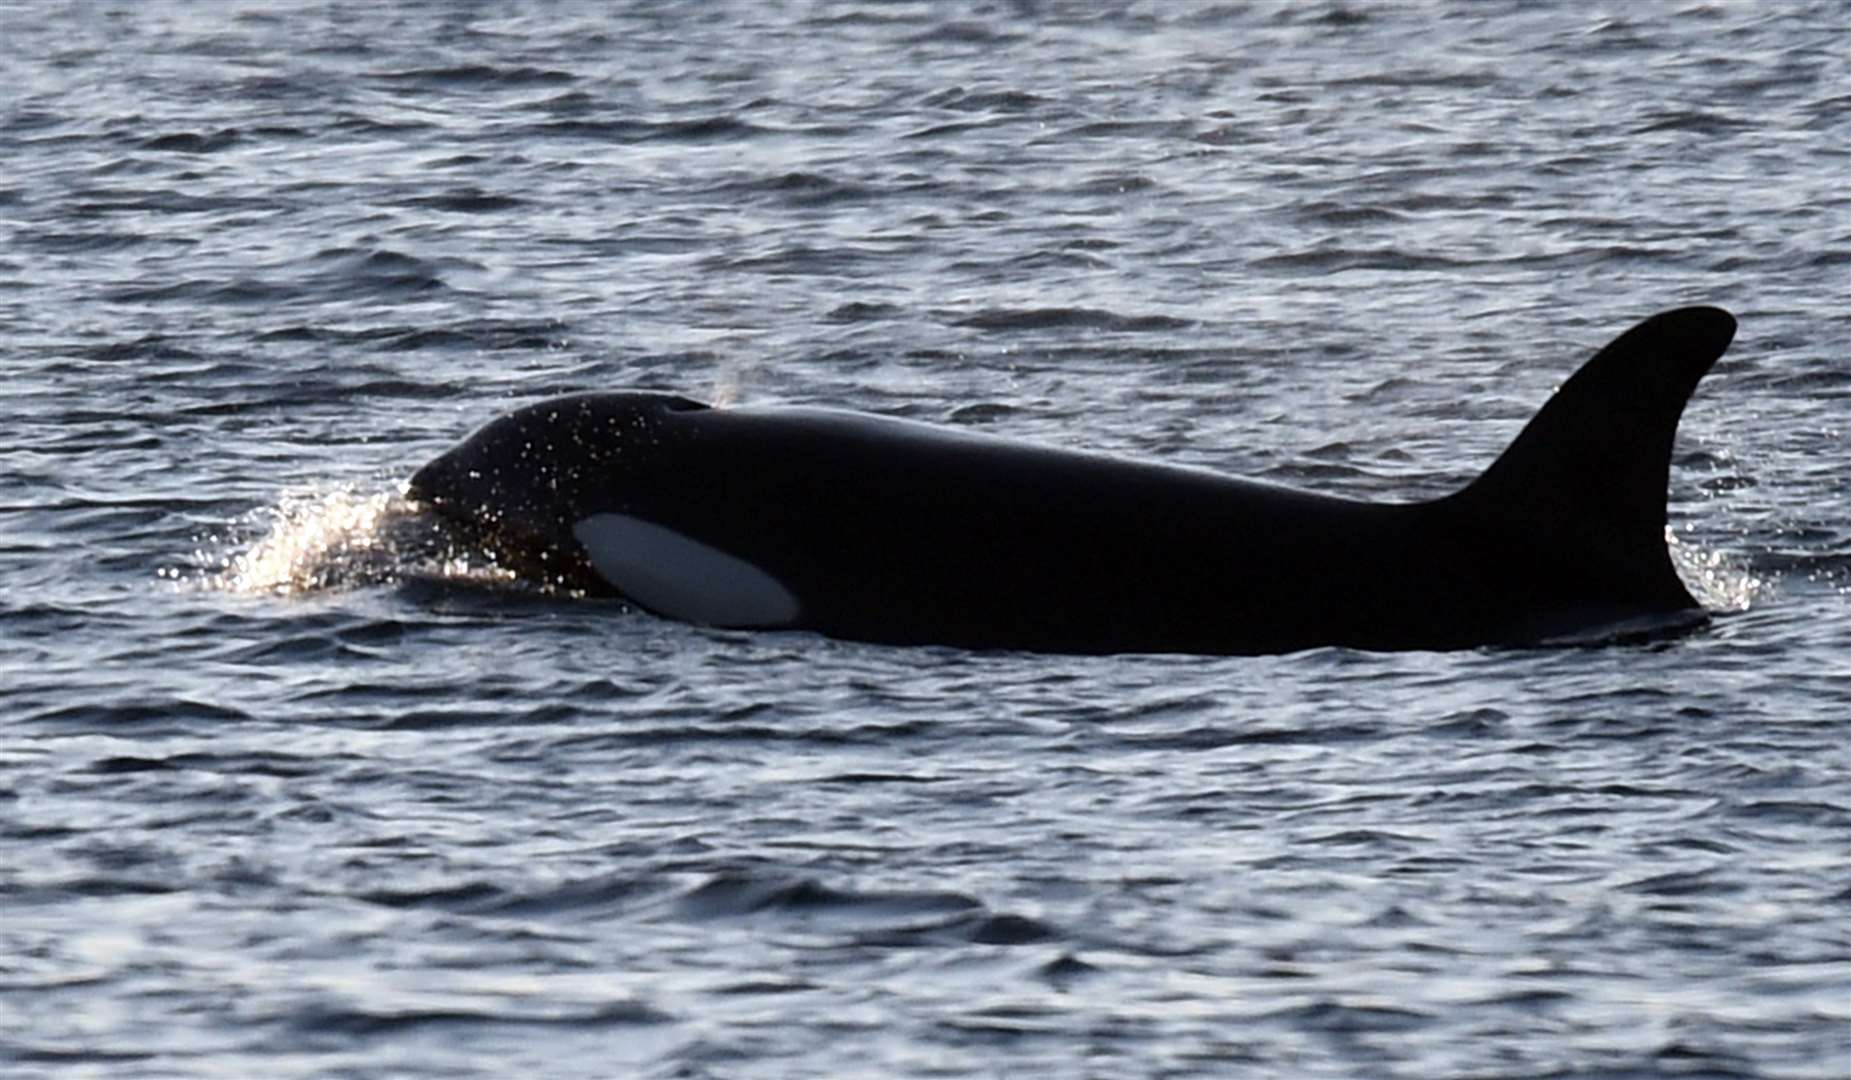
<point x="287" y="791"/>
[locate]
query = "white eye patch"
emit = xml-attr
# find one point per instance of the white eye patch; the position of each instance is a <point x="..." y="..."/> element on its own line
<point x="672" y="575"/>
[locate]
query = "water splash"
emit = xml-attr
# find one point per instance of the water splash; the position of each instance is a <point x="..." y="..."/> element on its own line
<point x="729" y="387"/>
<point x="322" y="540"/>
<point x="1715" y="579"/>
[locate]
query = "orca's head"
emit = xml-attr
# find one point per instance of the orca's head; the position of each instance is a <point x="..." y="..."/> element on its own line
<point x="516" y="488"/>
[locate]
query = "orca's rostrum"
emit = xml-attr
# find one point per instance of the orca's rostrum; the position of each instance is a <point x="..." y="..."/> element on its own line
<point x="885" y="530"/>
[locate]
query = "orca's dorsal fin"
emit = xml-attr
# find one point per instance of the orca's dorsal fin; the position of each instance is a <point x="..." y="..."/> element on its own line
<point x="1591" y="468"/>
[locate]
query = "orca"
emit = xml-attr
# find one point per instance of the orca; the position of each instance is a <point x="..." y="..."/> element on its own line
<point x="897" y="532"/>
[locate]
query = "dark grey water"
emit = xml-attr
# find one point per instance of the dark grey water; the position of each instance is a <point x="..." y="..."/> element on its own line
<point x="278" y="798"/>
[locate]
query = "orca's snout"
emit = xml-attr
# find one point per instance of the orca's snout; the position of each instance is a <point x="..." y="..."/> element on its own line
<point x="454" y="480"/>
<point x="431" y="483"/>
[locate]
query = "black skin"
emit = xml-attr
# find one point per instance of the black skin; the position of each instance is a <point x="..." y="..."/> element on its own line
<point x="903" y="533"/>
